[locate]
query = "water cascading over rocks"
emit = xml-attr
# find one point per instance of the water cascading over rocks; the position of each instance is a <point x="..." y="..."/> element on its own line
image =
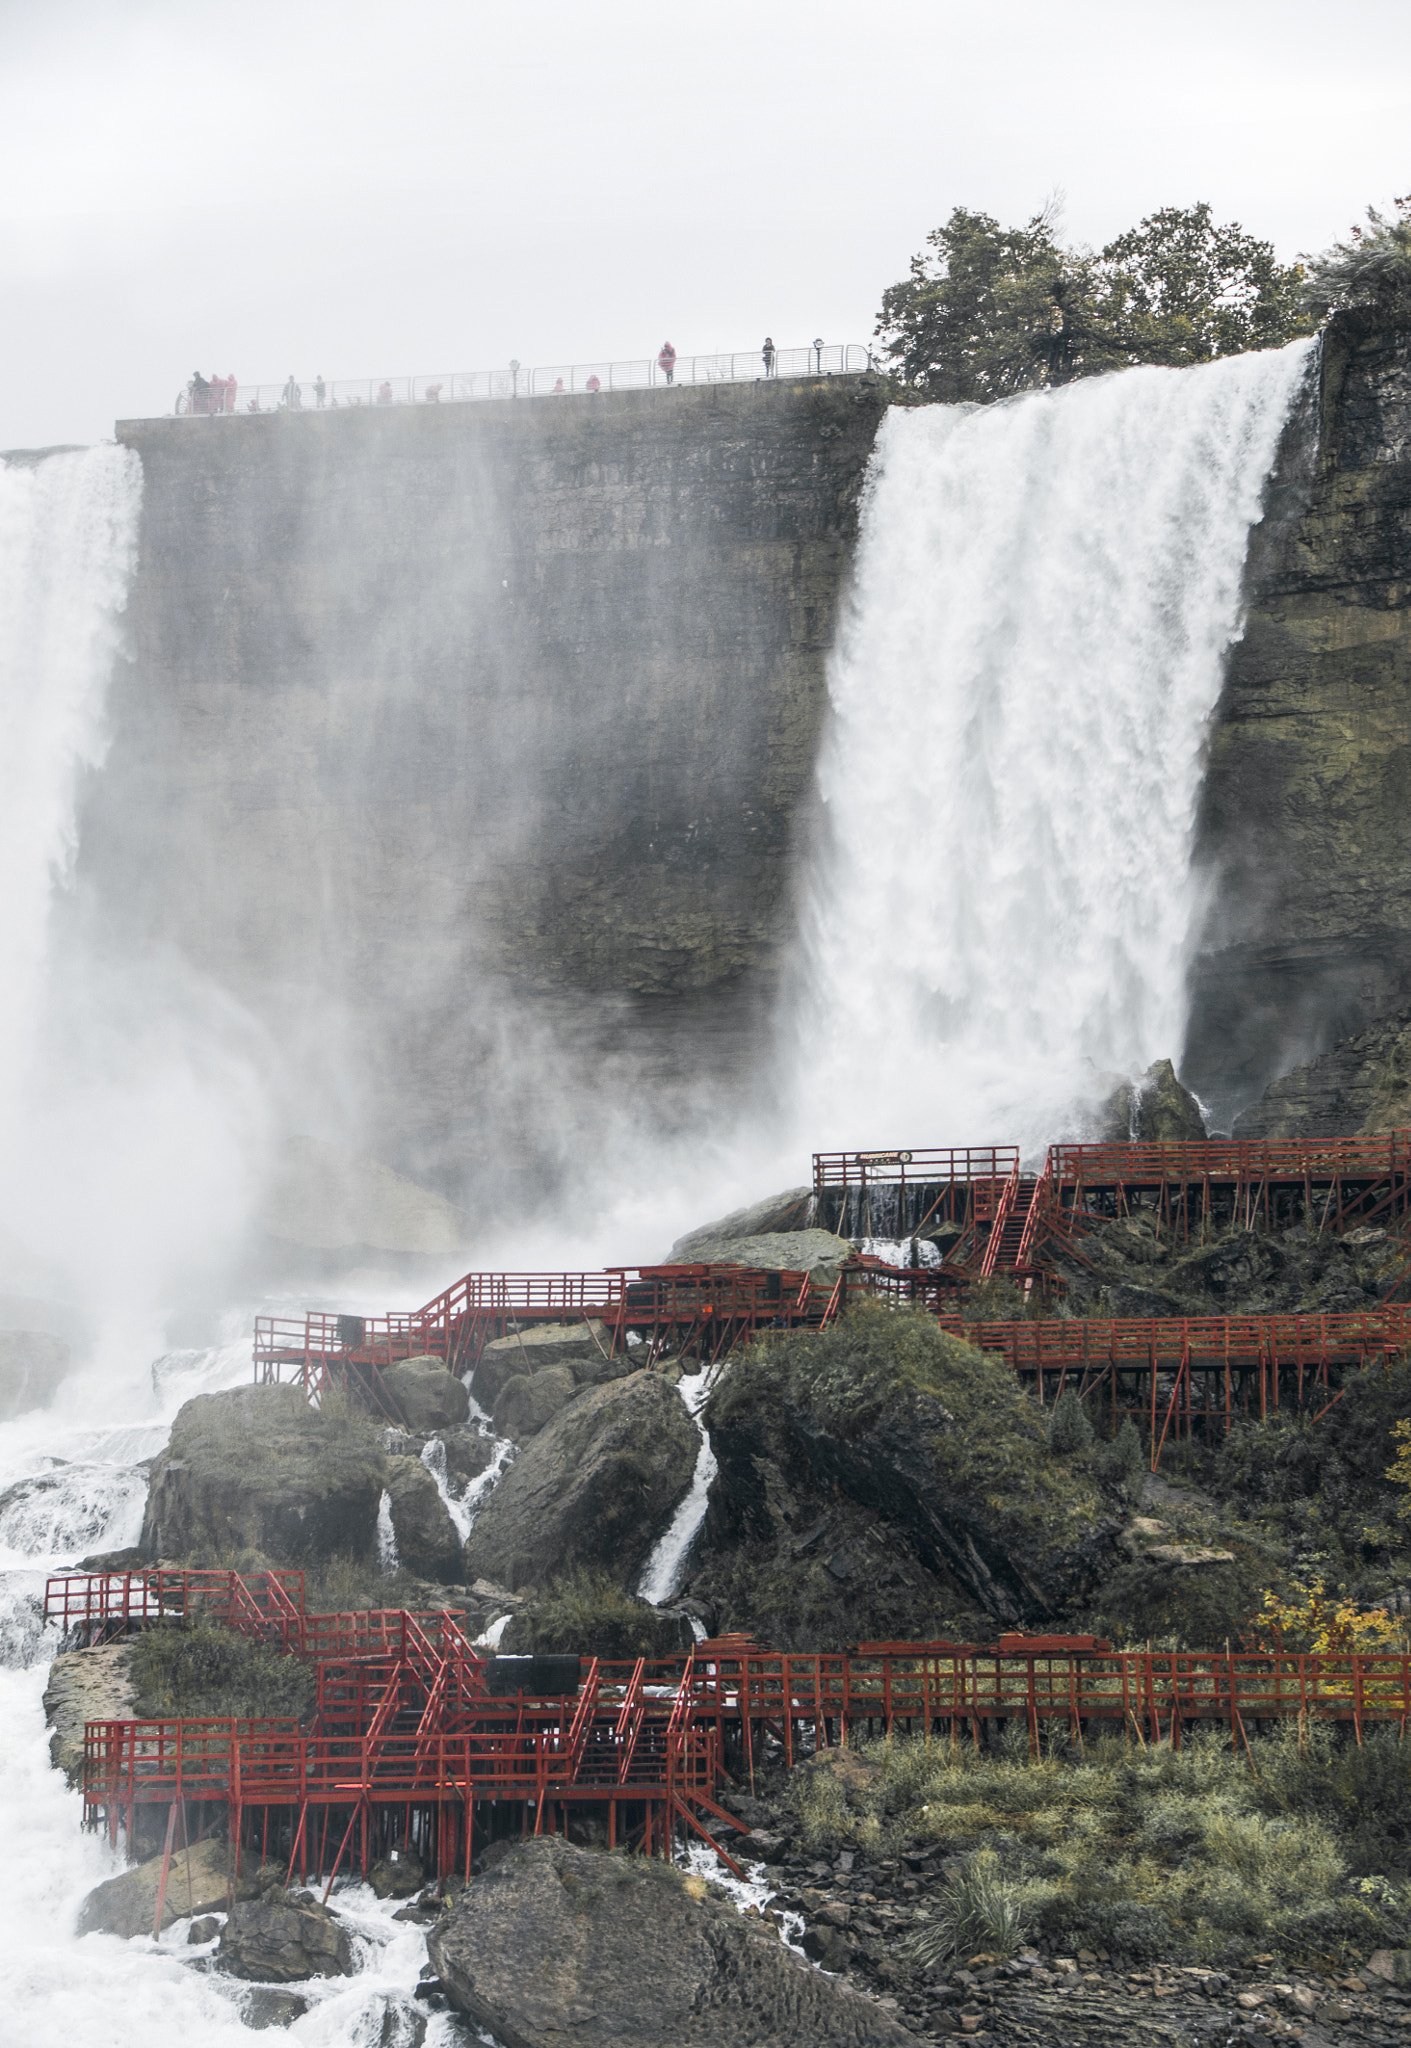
<point x="1004" y="909"/>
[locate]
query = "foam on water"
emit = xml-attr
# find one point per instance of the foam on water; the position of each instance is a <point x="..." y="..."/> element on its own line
<point x="664" y="1569"/>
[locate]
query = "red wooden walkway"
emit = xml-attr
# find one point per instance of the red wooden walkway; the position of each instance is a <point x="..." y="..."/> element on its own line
<point x="412" y="1743"/>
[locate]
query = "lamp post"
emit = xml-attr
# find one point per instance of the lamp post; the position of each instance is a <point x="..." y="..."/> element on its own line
<point x="514" y="375"/>
<point x="818" y="354"/>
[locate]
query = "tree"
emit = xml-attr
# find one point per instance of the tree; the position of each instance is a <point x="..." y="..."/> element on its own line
<point x="991" y="311"/>
<point x="1372" y="268"/>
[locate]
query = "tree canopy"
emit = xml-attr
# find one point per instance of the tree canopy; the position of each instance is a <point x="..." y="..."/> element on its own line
<point x="1372" y="268"/>
<point x="987" y="310"/>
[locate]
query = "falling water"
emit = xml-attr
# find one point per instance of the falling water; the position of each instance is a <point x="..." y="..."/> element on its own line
<point x="1045" y="590"/>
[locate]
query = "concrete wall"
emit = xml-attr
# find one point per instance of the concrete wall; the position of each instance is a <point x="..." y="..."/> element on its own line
<point x="446" y="718"/>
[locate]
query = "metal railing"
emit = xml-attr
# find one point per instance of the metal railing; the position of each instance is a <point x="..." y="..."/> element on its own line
<point x="227" y="398"/>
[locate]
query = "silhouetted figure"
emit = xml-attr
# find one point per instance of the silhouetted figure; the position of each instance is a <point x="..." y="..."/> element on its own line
<point x="666" y="362"/>
<point x="768" y="353"/>
<point x="384" y="394"/>
<point x="199" y="393"/>
<point x="320" y="389"/>
<point x="293" y="396"/>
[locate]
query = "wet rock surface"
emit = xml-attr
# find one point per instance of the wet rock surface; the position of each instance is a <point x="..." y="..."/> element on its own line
<point x="257" y="1468"/>
<point x="85" y="1685"/>
<point x="1363" y="1083"/>
<point x="557" y="1943"/>
<point x="592" y="1489"/>
<point x="197" y="1883"/>
<point x="283" y="1938"/>
<point x="526" y="1404"/>
<point x="584" y="1348"/>
<point x="428" y="1542"/>
<point x="429" y="1397"/>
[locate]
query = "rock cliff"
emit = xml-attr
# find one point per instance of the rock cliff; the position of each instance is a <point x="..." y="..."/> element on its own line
<point x="1305" y="835"/>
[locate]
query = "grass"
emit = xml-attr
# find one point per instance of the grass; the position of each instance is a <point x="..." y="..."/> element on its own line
<point x="203" y="1670"/>
<point x="1147" y="1853"/>
<point x="588" y="1613"/>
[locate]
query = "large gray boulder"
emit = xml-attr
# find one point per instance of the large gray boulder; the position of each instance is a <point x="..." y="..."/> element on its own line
<point x="281" y="1939"/>
<point x="592" y="1490"/>
<point x="196" y="1883"/>
<point x="1157" y="1110"/>
<point x="257" y="1468"/>
<point x="777" y="1214"/>
<point x="526" y="1403"/>
<point x="585" y="1348"/>
<point x="428" y="1542"/>
<point x="556" y="1943"/>
<point x="815" y="1252"/>
<point x="429" y="1397"/>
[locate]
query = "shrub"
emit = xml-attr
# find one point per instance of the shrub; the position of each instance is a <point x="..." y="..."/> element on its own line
<point x="589" y="1613"/>
<point x="1069" y="1429"/>
<point x="978" y="1910"/>
<point x="203" y="1670"/>
<point x="1122" y="1461"/>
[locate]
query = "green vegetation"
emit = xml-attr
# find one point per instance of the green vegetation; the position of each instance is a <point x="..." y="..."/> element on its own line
<point x="1371" y="269"/>
<point x="589" y="1613"/>
<point x="1069" y="1429"/>
<point x="203" y="1670"/>
<point x="1146" y="1852"/>
<point x="991" y="311"/>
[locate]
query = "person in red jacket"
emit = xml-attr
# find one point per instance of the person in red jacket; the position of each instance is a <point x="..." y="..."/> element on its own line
<point x="666" y="361"/>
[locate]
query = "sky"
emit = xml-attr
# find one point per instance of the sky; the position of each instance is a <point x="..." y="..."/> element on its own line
<point x="365" y="189"/>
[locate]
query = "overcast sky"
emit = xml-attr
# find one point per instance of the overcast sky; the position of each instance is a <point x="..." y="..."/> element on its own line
<point x="365" y="189"/>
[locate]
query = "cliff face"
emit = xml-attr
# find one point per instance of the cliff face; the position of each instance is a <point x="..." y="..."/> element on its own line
<point x="445" y="718"/>
<point x="1306" y="828"/>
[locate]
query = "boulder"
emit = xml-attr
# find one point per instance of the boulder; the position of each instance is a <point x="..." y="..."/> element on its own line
<point x="429" y="1397"/>
<point x="397" y="1876"/>
<point x="585" y="1348"/>
<point x="428" y="1541"/>
<point x="526" y="1404"/>
<point x="593" y="1489"/>
<point x="792" y="1211"/>
<point x="32" y="1363"/>
<point x="1156" y="1110"/>
<point x="127" y="1904"/>
<point x="281" y="1940"/>
<point x="467" y="1452"/>
<point x="257" y="1468"/>
<point x="557" y="1943"/>
<point x="85" y="1685"/>
<point x="816" y="1252"/>
<point x="267" y="2006"/>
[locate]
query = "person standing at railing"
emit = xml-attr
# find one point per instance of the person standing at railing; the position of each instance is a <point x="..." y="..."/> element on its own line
<point x="594" y="383"/>
<point x="384" y="393"/>
<point x="231" y="387"/>
<point x="293" y="397"/>
<point x="666" y="362"/>
<point x="320" y="391"/>
<point x="198" y="393"/>
<point x="768" y="353"/>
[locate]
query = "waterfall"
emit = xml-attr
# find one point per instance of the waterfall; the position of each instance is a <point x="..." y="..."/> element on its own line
<point x="1003" y="909"/>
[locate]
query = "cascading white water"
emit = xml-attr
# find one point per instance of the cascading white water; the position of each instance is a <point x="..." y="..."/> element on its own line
<point x="1044" y="593"/>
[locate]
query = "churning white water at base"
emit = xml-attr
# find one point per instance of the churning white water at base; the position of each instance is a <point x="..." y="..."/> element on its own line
<point x="1045" y="590"/>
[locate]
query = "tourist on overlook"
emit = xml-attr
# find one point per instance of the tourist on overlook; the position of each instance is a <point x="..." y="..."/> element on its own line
<point x="320" y="389"/>
<point x="666" y="361"/>
<point x="292" y="396"/>
<point x="595" y="384"/>
<point x="384" y="393"/>
<point x="231" y="387"/>
<point x="768" y="354"/>
<point x="558" y="384"/>
<point x="198" y="393"/>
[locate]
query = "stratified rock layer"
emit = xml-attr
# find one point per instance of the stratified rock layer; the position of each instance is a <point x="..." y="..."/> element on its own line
<point x="556" y="1944"/>
<point x="592" y="1490"/>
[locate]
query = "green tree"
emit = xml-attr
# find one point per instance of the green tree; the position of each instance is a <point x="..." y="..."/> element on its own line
<point x="1372" y="268"/>
<point x="988" y="311"/>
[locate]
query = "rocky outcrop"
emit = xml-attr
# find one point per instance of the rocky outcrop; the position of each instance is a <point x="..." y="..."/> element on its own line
<point x="815" y="1252"/>
<point x="197" y="1882"/>
<point x="85" y="1685"/>
<point x="32" y="1363"/>
<point x="884" y="1479"/>
<point x="283" y="1938"/>
<point x="791" y="1211"/>
<point x="557" y="1943"/>
<point x="585" y="1348"/>
<point x="429" y="1397"/>
<point x="593" y="1489"/>
<point x="324" y="1198"/>
<point x="1305" y="833"/>
<point x="1156" y="1110"/>
<point x="258" y="1469"/>
<point x="526" y="1404"/>
<point x="428" y="1542"/>
<point x="1363" y="1083"/>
